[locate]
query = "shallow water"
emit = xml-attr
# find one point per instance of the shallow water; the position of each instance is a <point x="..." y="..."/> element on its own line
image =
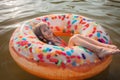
<point x="104" y="12"/>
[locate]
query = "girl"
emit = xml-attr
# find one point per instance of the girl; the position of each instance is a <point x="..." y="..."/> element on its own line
<point x="44" y="33"/>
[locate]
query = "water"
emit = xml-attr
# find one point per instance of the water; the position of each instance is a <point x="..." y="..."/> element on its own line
<point x="104" y="12"/>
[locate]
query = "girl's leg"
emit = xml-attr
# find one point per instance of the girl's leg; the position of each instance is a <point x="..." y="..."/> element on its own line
<point x="76" y="41"/>
<point x="92" y="41"/>
<point x="100" y="51"/>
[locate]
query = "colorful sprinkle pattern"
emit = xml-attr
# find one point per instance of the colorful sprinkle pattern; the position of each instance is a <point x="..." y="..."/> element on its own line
<point x="27" y="44"/>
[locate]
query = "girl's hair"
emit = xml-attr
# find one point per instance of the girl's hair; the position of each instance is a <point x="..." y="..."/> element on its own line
<point x="41" y="37"/>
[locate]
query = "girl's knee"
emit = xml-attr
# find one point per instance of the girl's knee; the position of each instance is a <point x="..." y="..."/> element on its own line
<point x="74" y="37"/>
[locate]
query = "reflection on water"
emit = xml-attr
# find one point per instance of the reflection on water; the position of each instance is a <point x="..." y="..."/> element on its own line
<point x="105" y="12"/>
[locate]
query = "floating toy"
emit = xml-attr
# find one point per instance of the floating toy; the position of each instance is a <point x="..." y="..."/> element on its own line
<point x="57" y="62"/>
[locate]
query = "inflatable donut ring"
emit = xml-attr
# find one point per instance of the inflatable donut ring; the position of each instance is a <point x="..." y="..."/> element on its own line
<point x="57" y="62"/>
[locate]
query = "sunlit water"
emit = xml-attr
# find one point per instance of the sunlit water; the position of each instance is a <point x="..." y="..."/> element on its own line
<point x="12" y="12"/>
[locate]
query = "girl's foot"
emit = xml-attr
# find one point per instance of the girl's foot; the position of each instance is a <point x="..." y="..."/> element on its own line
<point x="110" y="46"/>
<point x="107" y="51"/>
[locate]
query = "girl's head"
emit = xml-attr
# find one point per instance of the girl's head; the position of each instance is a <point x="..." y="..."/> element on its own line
<point x="45" y="30"/>
<point x="44" y="33"/>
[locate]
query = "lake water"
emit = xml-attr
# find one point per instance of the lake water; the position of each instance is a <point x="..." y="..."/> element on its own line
<point x="12" y="12"/>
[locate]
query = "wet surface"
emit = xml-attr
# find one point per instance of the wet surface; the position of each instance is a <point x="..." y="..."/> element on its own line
<point x="12" y="12"/>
